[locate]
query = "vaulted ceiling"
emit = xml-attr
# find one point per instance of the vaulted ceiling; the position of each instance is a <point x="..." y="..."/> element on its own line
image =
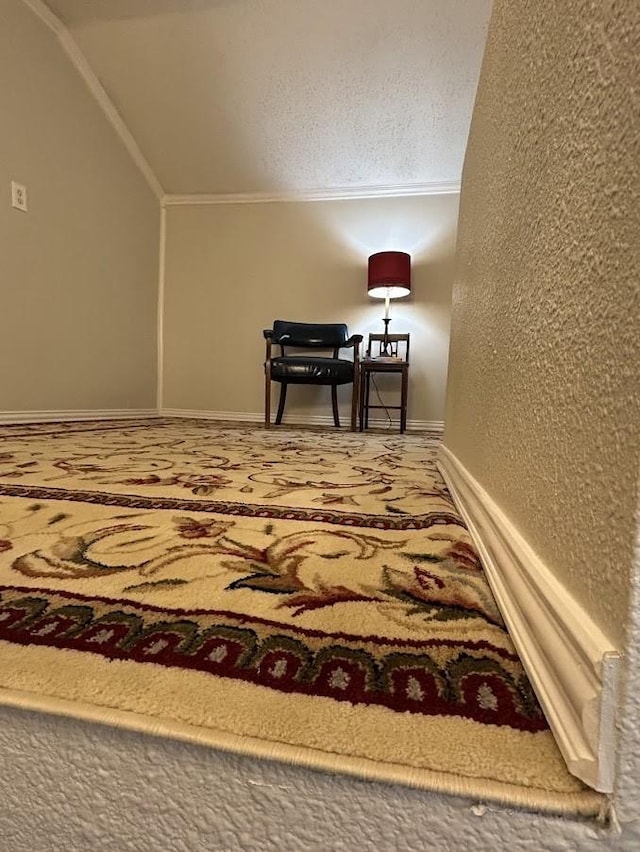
<point x="244" y="96"/>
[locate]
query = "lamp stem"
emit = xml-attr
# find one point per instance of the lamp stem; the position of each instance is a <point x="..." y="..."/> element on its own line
<point x="386" y="321"/>
<point x="386" y="352"/>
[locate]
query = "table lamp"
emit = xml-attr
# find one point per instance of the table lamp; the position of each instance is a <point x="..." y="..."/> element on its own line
<point x="389" y="278"/>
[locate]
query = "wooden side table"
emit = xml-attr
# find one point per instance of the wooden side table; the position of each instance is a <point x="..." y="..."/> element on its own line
<point x="368" y="366"/>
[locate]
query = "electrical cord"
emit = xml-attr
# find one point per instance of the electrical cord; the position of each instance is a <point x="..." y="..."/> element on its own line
<point x="381" y="401"/>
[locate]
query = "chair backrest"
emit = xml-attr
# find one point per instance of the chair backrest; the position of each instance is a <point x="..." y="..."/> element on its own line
<point x="309" y="334"/>
<point x="398" y="346"/>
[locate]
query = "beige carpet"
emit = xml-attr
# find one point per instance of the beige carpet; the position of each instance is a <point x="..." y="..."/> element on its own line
<point x="308" y="596"/>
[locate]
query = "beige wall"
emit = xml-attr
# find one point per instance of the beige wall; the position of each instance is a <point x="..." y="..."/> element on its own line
<point x="79" y="270"/>
<point x="543" y="403"/>
<point x="232" y="269"/>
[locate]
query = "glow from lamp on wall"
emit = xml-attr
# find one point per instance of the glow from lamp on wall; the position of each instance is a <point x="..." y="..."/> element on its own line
<point x="389" y="278"/>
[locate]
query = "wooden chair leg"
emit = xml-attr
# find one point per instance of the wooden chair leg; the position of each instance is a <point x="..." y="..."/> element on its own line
<point x="334" y="403"/>
<point x="283" y="399"/>
<point x="267" y="401"/>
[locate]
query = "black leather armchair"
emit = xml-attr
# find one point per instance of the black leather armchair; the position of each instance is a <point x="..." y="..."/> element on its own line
<point x="311" y="368"/>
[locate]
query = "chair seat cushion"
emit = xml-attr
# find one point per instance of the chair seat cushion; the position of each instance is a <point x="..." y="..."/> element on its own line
<point x="311" y="371"/>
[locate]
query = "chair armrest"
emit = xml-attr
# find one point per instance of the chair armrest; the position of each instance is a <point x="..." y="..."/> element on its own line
<point x="355" y="340"/>
<point x="268" y="336"/>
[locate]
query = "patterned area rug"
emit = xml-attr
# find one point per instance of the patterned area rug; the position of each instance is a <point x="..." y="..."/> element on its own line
<point x="310" y="596"/>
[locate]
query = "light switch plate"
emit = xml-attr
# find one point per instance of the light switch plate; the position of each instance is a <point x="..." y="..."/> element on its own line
<point x="18" y="196"/>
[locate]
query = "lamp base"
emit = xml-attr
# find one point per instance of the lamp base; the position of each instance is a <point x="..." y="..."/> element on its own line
<point x="385" y="349"/>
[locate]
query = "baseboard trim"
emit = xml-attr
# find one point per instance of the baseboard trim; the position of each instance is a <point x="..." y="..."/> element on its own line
<point x="436" y="426"/>
<point x="572" y="665"/>
<point x="92" y="414"/>
<point x="298" y="419"/>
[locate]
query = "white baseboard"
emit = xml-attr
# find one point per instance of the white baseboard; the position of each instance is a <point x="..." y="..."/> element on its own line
<point x="295" y="419"/>
<point x="412" y="425"/>
<point x="198" y="414"/>
<point x="571" y="664"/>
<point x="237" y="416"/>
<point x="92" y="414"/>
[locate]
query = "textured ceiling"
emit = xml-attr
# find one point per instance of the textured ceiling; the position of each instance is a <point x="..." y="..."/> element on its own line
<point x="242" y="96"/>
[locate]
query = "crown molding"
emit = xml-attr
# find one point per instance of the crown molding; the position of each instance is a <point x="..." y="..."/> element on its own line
<point x="571" y="664"/>
<point x="46" y="15"/>
<point x="345" y="193"/>
<point x="83" y="68"/>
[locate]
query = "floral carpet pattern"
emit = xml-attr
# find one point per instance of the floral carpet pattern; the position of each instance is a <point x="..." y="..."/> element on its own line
<point x="233" y="568"/>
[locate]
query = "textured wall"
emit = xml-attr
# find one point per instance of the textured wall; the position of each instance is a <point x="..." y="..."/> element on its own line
<point x="232" y="269"/>
<point x="543" y="401"/>
<point x="73" y="786"/>
<point x="79" y="269"/>
<point x="628" y="793"/>
<point x="254" y="95"/>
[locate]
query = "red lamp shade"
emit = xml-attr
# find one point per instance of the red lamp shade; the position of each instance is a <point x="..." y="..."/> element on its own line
<point x="389" y="275"/>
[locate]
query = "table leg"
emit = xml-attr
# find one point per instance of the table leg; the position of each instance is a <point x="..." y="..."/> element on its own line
<point x="366" y="405"/>
<point x="403" y="400"/>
